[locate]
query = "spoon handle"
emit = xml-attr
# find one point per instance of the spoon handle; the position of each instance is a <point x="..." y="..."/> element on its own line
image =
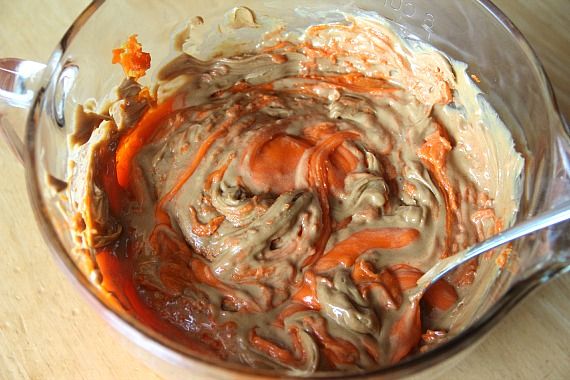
<point x="559" y="214"/>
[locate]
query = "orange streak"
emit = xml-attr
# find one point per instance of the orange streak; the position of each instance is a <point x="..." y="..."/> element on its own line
<point x="356" y="82"/>
<point x="341" y="163"/>
<point x="407" y="275"/>
<point x="217" y="174"/>
<point x="253" y="275"/>
<point x="131" y="143"/>
<point x="271" y="349"/>
<point x="406" y="333"/>
<point x="371" y="347"/>
<point x="273" y="161"/>
<point x="347" y="251"/>
<point x="233" y="114"/>
<point x="433" y="154"/>
<point x="283" y="45"/>
<point x="440" y="295"/>
<point x="297" y="345"/>
<point x="288" y="311"/>
<point x="205" y="229"/>
<point x="363" y="273"/>
<point x="318" y="179"/>
<point x="195" y="162"/>
<point x="161" y="216"/>
<point x="337" y="350"/>
<point x="307" y="293"/>
<point x="204" y="275"/>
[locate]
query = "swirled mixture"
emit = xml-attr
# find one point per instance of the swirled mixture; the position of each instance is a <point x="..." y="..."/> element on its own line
<point x="273" y="208"/>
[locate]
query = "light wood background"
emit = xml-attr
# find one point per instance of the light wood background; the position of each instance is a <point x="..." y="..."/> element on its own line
<point x="47" y="331"/>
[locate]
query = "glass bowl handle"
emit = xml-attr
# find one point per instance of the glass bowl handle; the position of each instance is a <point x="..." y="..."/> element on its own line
<point x="18" y="79"/>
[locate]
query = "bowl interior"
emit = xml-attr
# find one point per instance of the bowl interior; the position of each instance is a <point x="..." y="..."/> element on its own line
<point x="470" y="31"/>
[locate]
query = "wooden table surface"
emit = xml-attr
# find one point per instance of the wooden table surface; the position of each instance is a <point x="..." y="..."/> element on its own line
<point x="47" y="331"/>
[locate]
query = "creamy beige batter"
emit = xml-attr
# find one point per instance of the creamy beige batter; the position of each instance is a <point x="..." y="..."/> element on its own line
<point x="273" y="207"/>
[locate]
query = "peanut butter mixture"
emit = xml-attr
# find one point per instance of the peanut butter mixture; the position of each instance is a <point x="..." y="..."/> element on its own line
<point x="273" y="208"/>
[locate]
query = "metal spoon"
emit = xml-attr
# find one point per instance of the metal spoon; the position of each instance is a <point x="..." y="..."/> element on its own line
<point x="540" y="221"/>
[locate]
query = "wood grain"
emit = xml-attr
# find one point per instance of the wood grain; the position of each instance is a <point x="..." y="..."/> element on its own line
<point x="47" y="331"/>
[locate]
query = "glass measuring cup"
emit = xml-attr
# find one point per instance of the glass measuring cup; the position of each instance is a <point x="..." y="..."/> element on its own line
<point x="74" y="69"/>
